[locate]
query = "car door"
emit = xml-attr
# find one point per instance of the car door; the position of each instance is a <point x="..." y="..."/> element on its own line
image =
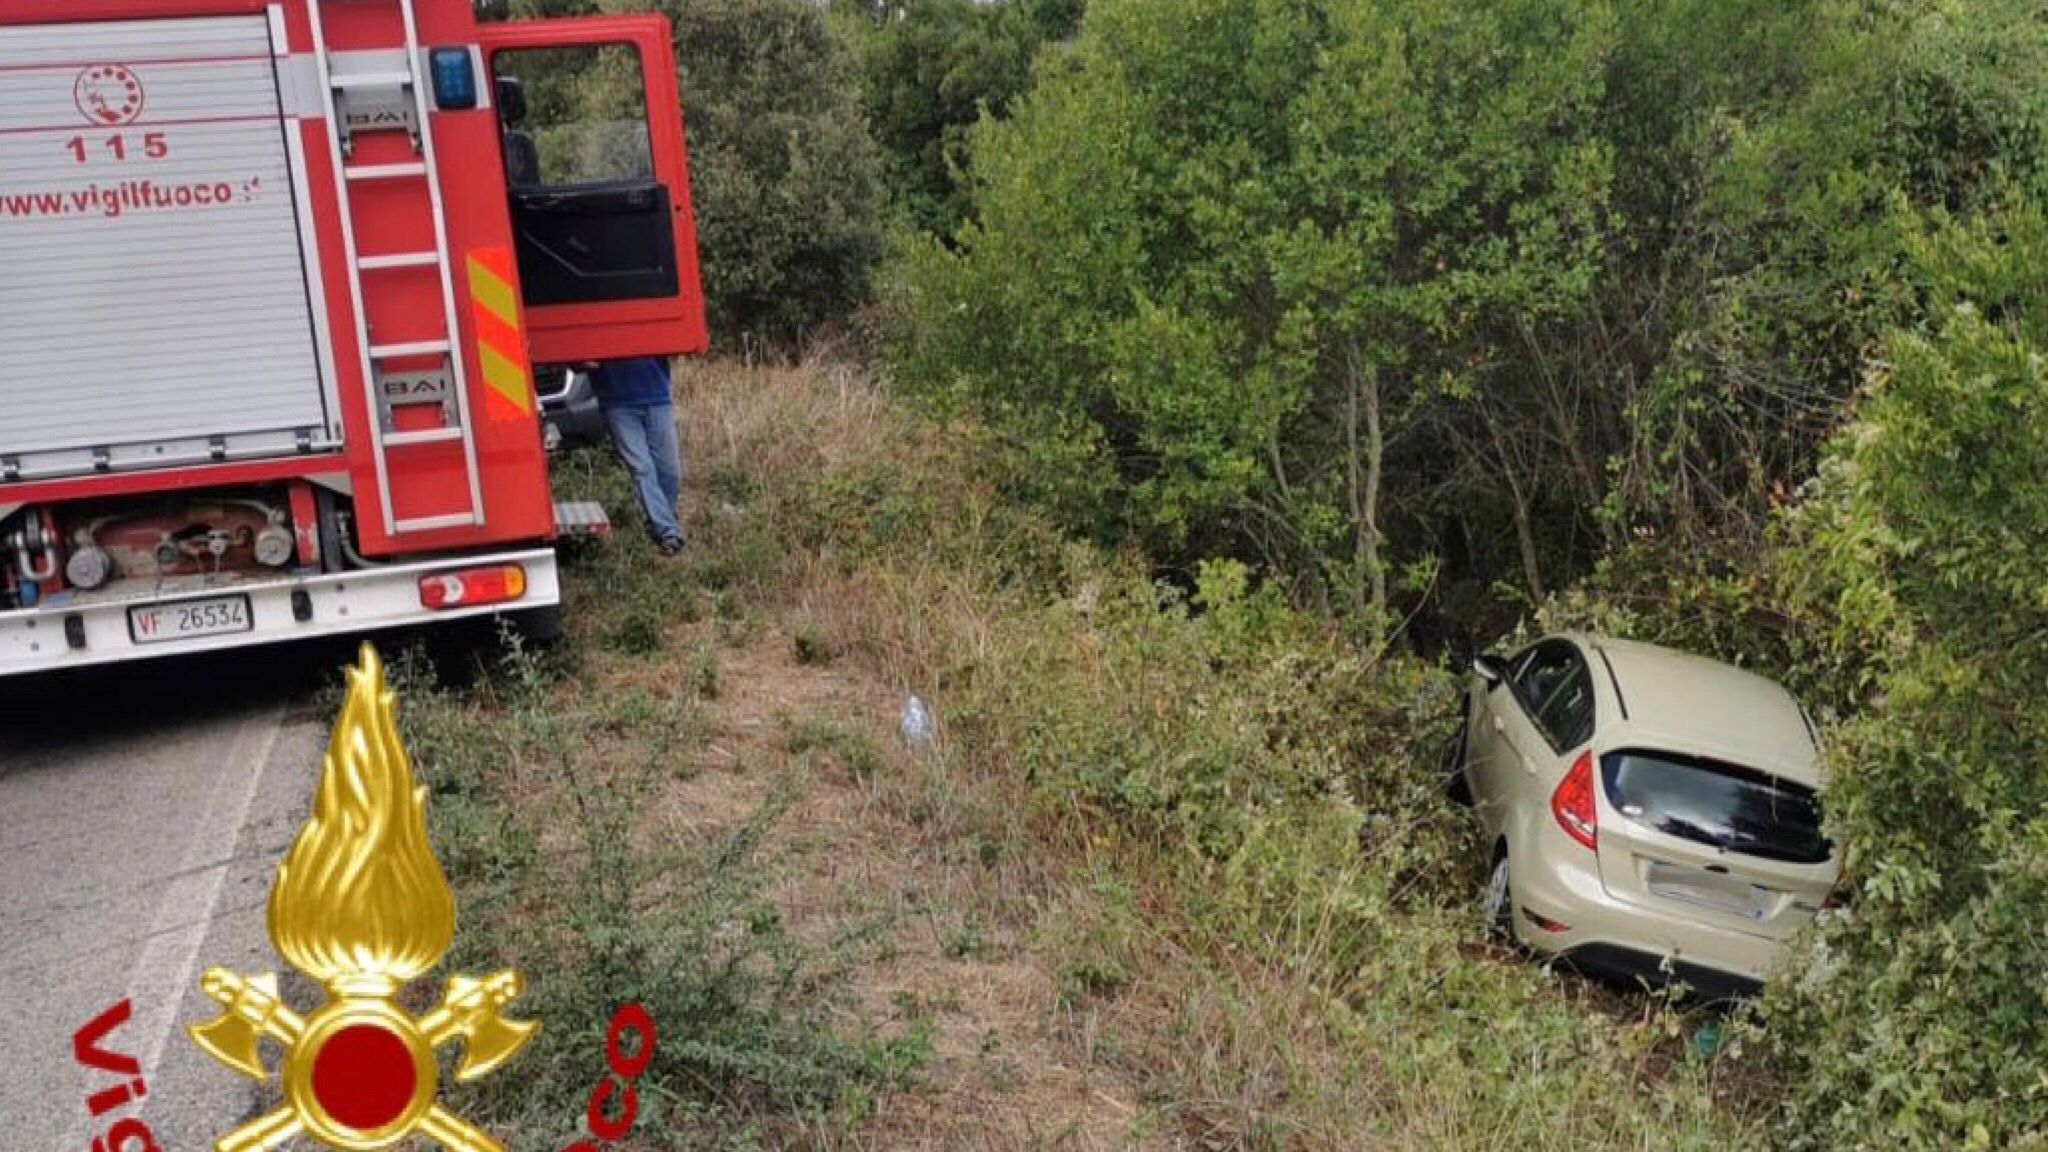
<point x="1491" y="761"/>
<point x="598" y="175"/>
<point x="1536" y="714"/>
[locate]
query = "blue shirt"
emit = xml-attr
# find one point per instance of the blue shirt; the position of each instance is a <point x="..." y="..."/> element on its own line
<point x="642" y="382"/>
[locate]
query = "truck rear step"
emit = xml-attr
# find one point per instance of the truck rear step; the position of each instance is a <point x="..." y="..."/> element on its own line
<point x="581" y="518"/>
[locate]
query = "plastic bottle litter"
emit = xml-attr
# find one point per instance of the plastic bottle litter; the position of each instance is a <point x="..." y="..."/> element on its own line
<point x="917" y="724"/>
<point x="1706" y="1042"/>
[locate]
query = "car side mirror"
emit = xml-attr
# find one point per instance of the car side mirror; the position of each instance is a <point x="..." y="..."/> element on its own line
<point x="1490" y="669"/>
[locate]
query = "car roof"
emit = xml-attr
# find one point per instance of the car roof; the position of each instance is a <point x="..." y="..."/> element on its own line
<point x="1685" y="703"/>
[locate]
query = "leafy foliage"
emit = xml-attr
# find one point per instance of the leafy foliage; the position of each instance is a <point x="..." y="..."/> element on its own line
<point x="1232" y="257"/>
<point x="929" y="70"/>
<point x="1771" y="153"/>
<point x="1921" y="548"/>
<point x="787" y="178"/>
<point x="1602" y="273"/>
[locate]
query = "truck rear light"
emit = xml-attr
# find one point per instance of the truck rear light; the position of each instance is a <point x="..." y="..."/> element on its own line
<point x="1573" y="803"/>
<point x="472" y="587"/>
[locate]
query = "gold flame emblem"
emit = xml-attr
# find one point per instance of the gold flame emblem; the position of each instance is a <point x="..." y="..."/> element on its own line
<point x="360" y="905"/>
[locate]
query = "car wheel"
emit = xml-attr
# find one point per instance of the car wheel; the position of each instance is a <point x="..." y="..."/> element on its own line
<point x="1498" y="902"/>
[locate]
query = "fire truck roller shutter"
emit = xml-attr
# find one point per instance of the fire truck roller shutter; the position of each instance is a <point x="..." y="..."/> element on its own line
<point x="154" y="303"/>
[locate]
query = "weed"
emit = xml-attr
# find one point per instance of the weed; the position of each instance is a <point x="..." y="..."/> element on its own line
<point x="700" y="673"/>
<point x="1083" y="978"/>
<point x="732" y="485"/>
<point x="828" y="742"/>
<point x="809" y="645"/>
<point x="966" y="941"/>
<point x="639" y="632"/>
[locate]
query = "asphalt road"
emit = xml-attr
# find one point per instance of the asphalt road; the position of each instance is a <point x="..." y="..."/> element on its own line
<point x="142" y="813"/>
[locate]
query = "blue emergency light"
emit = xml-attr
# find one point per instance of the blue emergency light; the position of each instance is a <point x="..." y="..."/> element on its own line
<point x="454" y="78"/>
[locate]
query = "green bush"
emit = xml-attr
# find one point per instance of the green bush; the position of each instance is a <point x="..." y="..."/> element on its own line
<point x="929" y="70"/>
<point x="1919" y="554"/>
<point x="1342" y="286"/>
<point x="787" y="180"/>
<point x="1765" y="150"/>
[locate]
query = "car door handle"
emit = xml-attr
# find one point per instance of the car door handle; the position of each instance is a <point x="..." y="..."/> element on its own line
<point x="1500" y="725"/>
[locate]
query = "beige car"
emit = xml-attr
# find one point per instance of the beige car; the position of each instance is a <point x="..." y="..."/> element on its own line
<point x="1652" y="815"/>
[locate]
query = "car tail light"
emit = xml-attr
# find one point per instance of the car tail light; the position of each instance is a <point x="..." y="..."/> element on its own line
<point x="471" y="587"/>
<point x="1573" y="803"/>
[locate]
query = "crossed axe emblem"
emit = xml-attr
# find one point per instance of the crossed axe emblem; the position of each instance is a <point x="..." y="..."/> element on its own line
<point x="252" y="1009"/>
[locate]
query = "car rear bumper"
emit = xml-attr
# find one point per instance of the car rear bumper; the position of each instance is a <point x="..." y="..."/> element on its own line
<point x="1597" y="932"/>
<point x="1629" y="966"/>
<point x="570" y="407"/>
<point x="91" y="629"/>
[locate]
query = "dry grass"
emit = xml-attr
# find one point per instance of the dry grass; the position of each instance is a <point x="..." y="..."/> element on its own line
<point x="810" y="677"/>
<point x="874" y="836"/>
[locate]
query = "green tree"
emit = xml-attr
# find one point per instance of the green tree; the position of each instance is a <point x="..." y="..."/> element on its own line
<point x="930" y="69"/>
<point x="1234" y="261"/>
<point x="1764" y="151"/>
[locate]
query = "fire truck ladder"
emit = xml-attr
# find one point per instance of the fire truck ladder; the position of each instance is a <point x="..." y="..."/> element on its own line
<point x="398" y="91"/>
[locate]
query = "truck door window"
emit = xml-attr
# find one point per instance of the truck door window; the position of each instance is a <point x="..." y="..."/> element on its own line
<point x="591" y="222"/>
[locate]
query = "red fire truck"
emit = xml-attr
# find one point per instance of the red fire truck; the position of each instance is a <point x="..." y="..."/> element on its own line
<point x="274" y="277"/>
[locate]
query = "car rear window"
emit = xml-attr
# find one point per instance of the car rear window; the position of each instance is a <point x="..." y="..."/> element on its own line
<point x="1738" y="809"/>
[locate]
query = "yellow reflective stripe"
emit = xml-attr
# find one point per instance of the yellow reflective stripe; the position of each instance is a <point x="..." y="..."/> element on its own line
<point x="493" y="293"/>
<point x="505" y="378"/>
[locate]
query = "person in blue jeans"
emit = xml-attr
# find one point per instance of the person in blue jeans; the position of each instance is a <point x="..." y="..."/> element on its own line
<point x="639" y="408"/>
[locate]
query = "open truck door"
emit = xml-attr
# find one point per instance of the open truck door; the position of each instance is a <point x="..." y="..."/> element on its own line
<point x="598" y="176"/>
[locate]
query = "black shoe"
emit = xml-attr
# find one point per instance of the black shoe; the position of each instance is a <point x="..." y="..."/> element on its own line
<point x="672" y="546"/>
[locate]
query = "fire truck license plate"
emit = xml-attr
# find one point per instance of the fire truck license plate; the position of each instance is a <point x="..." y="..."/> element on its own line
<point x="182" y="621"/>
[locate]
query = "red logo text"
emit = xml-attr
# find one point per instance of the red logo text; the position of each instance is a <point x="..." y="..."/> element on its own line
<point x="88" y="1047"/>
<point x="625" y="1073"/>
<point x="109" y="94"/>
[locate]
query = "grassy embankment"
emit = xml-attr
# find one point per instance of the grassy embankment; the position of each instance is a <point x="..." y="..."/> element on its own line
<point x="1173" y="875"/>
